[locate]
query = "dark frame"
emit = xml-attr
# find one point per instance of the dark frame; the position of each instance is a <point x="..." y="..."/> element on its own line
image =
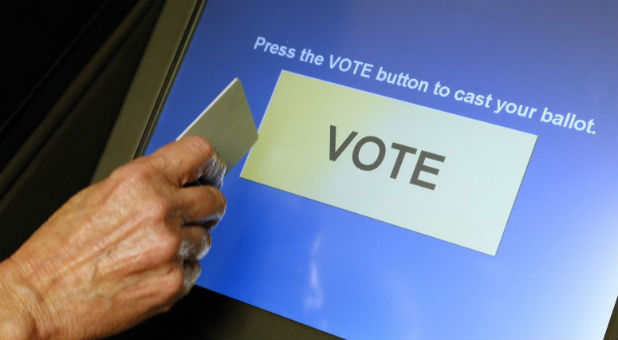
<point x="151" y="84"/>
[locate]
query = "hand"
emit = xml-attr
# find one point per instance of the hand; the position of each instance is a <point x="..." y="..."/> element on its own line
<point x="117" y="252"/>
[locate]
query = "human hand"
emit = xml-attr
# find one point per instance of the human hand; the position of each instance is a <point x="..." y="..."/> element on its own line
<point x="117" y="252"/>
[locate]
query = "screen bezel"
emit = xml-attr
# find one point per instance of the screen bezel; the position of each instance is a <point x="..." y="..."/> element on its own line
<point x="151" y="84"/>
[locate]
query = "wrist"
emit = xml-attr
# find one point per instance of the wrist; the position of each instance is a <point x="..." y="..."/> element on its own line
<point x="17" y="305"/>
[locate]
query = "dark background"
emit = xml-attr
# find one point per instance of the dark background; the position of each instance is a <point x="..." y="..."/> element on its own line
<point x="68" y="65"/>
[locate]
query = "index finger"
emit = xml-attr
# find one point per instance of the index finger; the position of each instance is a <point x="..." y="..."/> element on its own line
<point x="185" y="160"/>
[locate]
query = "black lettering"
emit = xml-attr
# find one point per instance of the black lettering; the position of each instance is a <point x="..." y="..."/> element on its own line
<point x="334" y="151"/>
<point x="402" y="153"/>
<point x="369" y="139"/>
<point x="420" y="166"/>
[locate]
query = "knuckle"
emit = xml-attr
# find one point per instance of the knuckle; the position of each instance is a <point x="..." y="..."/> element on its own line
<point x="119" y="174"/>
<point x="169" y="243"/>
<point x="222" y="200"/>
<point x="175" y="280"/>
<point x="132" y="170"/>
<point x="217" y="198"/>
<point x="158" y="208"/>
<point x="199" y="143"/>
<point x="125" y="184"/>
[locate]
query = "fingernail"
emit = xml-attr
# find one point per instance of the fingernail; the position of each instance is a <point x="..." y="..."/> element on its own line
<point x="213" y="171"/>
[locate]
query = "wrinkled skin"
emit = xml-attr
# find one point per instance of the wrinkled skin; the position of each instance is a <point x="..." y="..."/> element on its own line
<point x="117" y="252"/>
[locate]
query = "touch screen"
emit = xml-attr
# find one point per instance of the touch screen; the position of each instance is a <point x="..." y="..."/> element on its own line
<point x="423" y="169"/>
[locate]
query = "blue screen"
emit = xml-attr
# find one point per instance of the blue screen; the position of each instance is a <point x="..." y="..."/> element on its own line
<point x="555" y="274"/>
